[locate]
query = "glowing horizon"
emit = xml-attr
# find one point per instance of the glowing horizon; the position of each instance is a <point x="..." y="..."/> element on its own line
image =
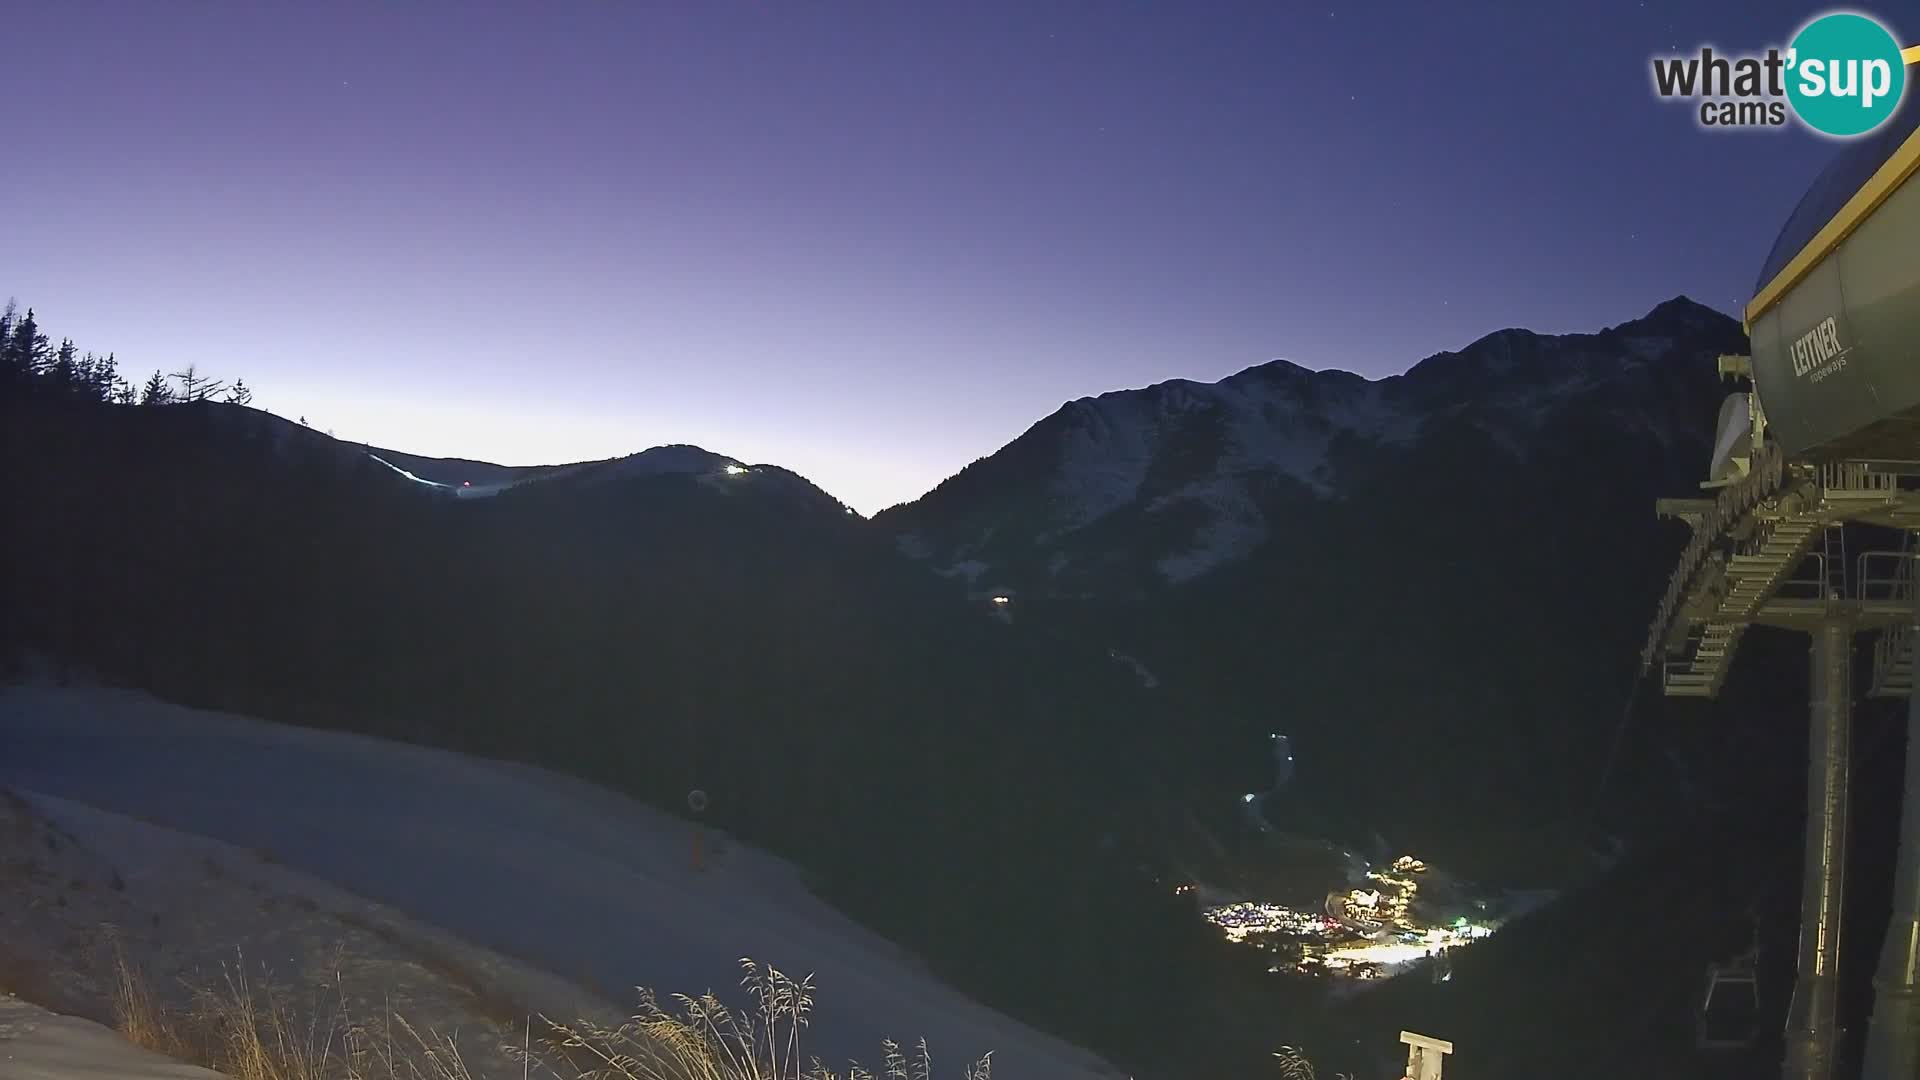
<point x="869" y="247"/>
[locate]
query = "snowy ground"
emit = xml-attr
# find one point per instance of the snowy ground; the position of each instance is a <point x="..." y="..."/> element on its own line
<point x="38" y="1045"/>
<point x="547" y="869"/>
<point x="77" y="882"/>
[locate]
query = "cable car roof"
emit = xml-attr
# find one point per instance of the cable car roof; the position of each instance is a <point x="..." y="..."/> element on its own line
<point x="1850" y="188"/>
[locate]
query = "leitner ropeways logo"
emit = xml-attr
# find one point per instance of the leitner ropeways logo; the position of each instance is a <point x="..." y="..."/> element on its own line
<point x="1842" y="76"/>
<point x="1818" y="352"/>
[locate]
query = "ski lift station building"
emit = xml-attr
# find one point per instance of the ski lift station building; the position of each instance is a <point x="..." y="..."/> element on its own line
<point x="1825" y="447"/>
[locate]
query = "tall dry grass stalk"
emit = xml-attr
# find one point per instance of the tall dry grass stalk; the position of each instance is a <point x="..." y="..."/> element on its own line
<point x="703" y="1039"/>
<point x="253" y="1030"/>
<point x="1295" y="1066"/>
<point x="140" y="1018"/>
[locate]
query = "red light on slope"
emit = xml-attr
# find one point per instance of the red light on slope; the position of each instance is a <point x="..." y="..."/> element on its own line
<point x="466" y="483"/>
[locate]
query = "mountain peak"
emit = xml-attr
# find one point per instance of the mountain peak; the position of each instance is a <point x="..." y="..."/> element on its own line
<point x="672" y="458"/>
<point x="1166" y="483"/>
<point x="1277" y="368"/>
<point x="1682" y="312"/>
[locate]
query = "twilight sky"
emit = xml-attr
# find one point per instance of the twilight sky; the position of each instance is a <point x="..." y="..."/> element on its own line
<point x="868" y="241"/>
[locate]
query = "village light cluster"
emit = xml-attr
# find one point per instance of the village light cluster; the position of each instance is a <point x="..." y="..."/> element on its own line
<point x="1246" y="919"/>
<point x="1364" y="933"/>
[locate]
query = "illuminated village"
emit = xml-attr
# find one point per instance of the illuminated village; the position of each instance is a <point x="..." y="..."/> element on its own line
<point x="1371" y="932"/>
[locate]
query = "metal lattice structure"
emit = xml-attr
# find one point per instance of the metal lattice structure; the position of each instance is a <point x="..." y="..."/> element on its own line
<point x="1834" y="327"/>
<point x="1770" y="551"/>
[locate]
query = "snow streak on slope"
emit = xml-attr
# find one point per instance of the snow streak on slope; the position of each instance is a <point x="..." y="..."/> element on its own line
<point x="462" y="490"/>
<point x="568" y="876"/>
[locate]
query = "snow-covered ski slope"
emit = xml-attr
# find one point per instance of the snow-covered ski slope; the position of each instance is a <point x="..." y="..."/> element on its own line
<point x="38" y="1045"/>
<point x="562" y="874"/>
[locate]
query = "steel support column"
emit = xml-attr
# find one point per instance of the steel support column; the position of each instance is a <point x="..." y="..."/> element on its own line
<point x="1893" y="1034"/>
<point x="1813" y="1034"/>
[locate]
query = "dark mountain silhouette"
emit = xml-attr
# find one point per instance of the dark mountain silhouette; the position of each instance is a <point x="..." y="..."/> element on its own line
<point x="947" y="779"/>
<point x="1434" y="584"/>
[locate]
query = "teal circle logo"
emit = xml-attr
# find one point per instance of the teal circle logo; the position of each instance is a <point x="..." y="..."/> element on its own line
<point x="1845" y="76"/>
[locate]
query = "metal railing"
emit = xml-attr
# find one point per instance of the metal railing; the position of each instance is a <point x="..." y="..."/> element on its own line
<point x="1846" y="477"/>
<point x="1885" y="576"/>
<point x="1799" y="587"/>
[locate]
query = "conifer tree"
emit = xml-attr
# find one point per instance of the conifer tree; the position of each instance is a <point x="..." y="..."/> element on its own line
<point x="106" y="377"/>
<point x="64" y="370"/>
<point x="27" y="347"/>
<point x="157" y="391"/>
<point x="9" y="375"/>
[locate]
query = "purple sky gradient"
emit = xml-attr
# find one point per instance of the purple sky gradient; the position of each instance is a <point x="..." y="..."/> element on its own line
<point x="867" y="241"/>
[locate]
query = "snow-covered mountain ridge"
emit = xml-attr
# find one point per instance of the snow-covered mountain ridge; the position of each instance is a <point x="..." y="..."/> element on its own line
<point x="1168" y="483"/>
<point x="465" y="478"/>
<point x="1205" y="473"/>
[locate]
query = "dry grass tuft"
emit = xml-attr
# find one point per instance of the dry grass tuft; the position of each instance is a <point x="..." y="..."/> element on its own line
<point x="256" y="1035"/>
<point x="253" y="1030"/>
<point x="705" y="1040"/>
<point x="137" y="1014"/>
<point x="1295" y="1066"/>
